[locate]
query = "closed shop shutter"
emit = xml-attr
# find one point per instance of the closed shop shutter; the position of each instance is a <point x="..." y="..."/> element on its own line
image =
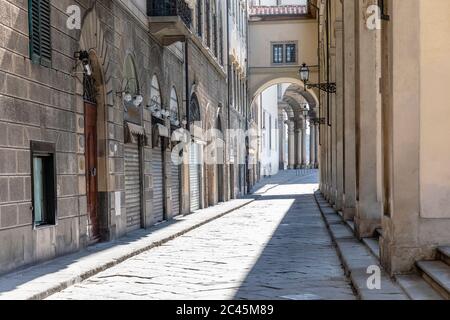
<point x="158" y="185"/>
<point x="175" y="189"/>
<point x="194" y="176"/>
<point x="133" y="186"/>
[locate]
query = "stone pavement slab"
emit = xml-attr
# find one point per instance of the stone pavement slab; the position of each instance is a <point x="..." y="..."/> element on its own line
<point x="40" y="281"/>
<point x="277" y="247"/>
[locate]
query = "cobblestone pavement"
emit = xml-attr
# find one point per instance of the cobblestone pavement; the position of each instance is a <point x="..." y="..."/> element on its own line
<point x="277" y="247"/>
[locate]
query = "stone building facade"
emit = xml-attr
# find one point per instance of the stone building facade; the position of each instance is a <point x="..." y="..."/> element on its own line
<point x="89" y="119"/>
<point x="382" y="155"/>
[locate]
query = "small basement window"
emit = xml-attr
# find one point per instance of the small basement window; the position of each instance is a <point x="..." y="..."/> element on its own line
<point x="43" y="170"/>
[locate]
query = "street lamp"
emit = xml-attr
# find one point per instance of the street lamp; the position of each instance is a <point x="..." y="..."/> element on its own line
<point x="305" y="112"/>
<point x="304" y="72"/>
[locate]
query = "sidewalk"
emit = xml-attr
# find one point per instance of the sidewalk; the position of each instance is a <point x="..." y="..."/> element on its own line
<point x="42" y="280"/>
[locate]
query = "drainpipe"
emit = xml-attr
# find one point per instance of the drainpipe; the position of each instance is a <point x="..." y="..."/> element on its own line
<point x="186" y="74"/>
<point x="231" y="188"/>
<point x="247" y="105"/>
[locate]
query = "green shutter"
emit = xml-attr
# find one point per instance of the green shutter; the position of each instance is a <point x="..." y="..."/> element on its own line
<point x="40" y="32"/>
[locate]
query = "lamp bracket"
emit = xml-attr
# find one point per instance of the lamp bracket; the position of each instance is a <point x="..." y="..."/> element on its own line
<point x="326" y="87"/>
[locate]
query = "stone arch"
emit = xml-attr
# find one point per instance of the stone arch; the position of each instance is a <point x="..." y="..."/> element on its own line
<point x="155" y="90"/>
<point x="194" y="109"/>
<point x="264" y="84"/>
<point x="92" y="39"/>
<point x="174" y="104"/>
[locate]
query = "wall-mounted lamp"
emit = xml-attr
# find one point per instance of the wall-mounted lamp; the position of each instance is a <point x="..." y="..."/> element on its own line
<point x="83" y="57"/>
<point x="128" y="97"/>
<point x="304" y="72"/>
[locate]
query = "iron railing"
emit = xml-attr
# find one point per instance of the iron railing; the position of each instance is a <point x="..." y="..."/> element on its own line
<point x="170" y="8"/>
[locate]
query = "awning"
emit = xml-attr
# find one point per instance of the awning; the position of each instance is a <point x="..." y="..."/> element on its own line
<point x="135" y="129"/>
<point x="132" y="132"/>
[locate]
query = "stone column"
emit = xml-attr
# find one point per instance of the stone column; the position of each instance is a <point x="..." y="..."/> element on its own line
<point x="349" y="205"/>
<point x="316" y="145"/>
<point x="298" y="145"/>
<point x="339" y="117"/>
<point x="304" y="138"/>
<point x="416" y="218"/>
<point x="312" y="145"/>
<point x="281" y="141"/>
<point x="368" y="105"/>
<point x="291" y="143"/>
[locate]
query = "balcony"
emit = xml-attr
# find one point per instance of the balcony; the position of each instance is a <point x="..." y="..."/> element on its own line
<point x="170" y="20"/>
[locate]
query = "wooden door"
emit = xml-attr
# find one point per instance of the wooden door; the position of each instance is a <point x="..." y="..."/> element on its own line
<point x="91" y="170"/>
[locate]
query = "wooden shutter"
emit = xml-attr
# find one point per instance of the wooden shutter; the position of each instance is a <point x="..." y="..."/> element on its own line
<point x="40" y="32"/>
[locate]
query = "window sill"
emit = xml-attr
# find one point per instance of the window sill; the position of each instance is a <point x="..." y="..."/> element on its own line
<point x="43" y="226"/>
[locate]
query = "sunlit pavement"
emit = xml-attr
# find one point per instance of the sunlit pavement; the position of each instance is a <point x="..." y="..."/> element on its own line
<point x="277" y="247"/>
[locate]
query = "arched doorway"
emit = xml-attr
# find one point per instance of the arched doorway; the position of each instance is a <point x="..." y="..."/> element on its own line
<point x="132" y="149"/>
<point x="195" y="157"/>
<point x="90" y="94"/>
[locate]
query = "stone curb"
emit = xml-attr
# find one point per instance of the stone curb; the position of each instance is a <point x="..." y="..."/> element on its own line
<point x="355" y="267"/>
<point x="63" y="284"/>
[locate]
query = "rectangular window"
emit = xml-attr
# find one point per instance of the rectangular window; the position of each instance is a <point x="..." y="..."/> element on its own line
<point x="291" y="53"/>
<point x="43" y="170"/>
<point x="40" y="32"/>
<point x="277" y="53"/>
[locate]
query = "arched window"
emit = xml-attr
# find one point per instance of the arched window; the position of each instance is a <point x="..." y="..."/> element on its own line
<point x="218" y="124"/>
<point x="129" y="76"/>
<point x="174" y="108"/>
<point x="155" y="93"/>
<point x="130" y="91"/>
<point x="194" y="109"/>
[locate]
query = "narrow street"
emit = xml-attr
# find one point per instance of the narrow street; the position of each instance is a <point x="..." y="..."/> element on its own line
<point x="277" y="247"/>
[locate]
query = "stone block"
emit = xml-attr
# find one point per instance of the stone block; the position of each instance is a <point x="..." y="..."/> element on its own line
<point x="60" y="120"/>
<point x="68" y="207"/>
<point x="25" y="214"/>
<point x="7" y="161"/>
<point x="16" y="189"/>
<point x="67" y="142"/>
<point x="82" y="205"/>
<point x="67" y="186"/>
<point x="67" y="163"/>
<point x="8" y="216"/>
<point x="82" y="188"/>
<point x="81" y="165"/>
<point x="17" y="87"/>
<point x="3" y="134"/>
<point x="27" y="186"/>
<point x="4" y="189"/>
<point x="16" y="136"/>
<point x="23" y="162"/>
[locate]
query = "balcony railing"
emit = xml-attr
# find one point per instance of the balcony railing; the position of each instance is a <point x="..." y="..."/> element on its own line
<point x="170" y="8"/>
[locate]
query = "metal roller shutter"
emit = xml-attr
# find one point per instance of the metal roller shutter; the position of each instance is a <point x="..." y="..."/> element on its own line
<point x="175" y="189"/>
<point x="194" y="176"/>
<point x="158" y="185"/>
<point x="132" y="186"/>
